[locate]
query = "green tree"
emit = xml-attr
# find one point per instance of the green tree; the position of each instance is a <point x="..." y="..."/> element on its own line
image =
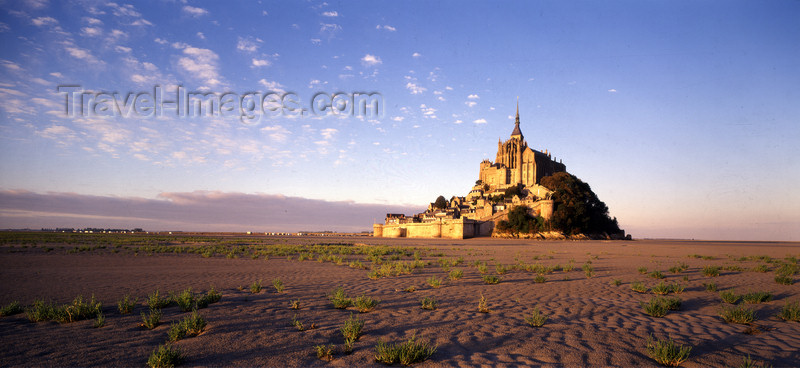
<point x="512" y="191"/>
<point x="440" y="203"/>
<point x="576" y="209"/>
<point x="519" y="220"/>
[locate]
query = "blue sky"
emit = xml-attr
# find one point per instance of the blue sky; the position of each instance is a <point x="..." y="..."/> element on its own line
<point x="682" y="115"/>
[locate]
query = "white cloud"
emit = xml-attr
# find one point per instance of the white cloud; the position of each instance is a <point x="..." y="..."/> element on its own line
<point x="201" y="36"/>
<point x="612" y="90"/>
<point x="480" y="121"/>
<point x="276" y="132"/>
<point x="470" y="103"/>
<point x="91" y="31"/>
<point x="82" y="54"/>
<point x="141" y="22"/>
<point x="440" y="98"/>
<point x="415" y="89"/>
<point x="427" y="112"/>
<point x="122" y="49"/>
<point x="457" y="122"/>
<point x="272" y="86"/>
<point x="124" y="10"/>
<point x="328" y="133"/>
<point x="329" y="30"/>
<point x="44" y="21"/>
<point x="333" y="13"/>
<point x="371" y="60"/>
<point x="57" y="75"/>
<point x="201" y="64"/>
<point x="161" y="41"/>
<point x="260" y="63"/>
<point x="416" y="55"/>
<point x="473" y="97"/>
<point x="398" y="118"/>
<point x="316" y="41"/>
<point x="386" y="27"/>
<point x="10" y="65"/>
<point x="448" y="88"/>
<point x="92" y="21"/>
<point x="194" y="11"/>
<point x="4" y="27"/>
<point x="246" y="45"/>
<point x="316" y="83"/>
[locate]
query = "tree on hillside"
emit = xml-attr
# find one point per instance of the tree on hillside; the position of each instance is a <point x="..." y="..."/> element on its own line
<point x="576" y="209"/>
<point x="512" y="191"/>
<point x="519" y="220"/>
<point x="440" y="203"/>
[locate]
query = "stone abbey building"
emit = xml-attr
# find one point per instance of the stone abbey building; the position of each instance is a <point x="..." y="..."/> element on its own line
<point x="516" y="165"/>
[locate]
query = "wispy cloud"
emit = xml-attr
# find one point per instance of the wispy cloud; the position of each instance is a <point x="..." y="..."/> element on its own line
<point x="479" y="121"/>
<point x="194" y="11"/>
<point x="371" y="60"/>
<point x="199" y="211"/>
<point x="386" y="27"/>
<point x="332" y="14"/>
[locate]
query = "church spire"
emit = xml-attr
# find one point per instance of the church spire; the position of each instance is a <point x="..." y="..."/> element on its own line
<point x="517" y="132"/>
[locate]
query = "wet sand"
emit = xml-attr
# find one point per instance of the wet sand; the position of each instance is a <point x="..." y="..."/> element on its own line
<point x="592" y="322"/>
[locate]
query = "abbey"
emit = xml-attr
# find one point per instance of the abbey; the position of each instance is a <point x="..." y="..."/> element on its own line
<point x="512" y="180"/>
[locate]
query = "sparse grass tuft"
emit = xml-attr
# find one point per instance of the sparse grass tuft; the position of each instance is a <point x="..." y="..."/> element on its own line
<point x="711" y="271"/>
<point x="483" y="305"/>
<point x="588" y="269"/>
<point x="191" y="325"/>
<point x="339" y="298"/>
<point x="156" y="301"/>
<point x="456" y="274"/>
<point x="657" y="275"/>
<point x="125" y="305"/>
<point x="324" y="352"/>
<point x="500" y="269"/>
<point x="616" y="282"/>
<point x="737" y="314"/>
<point x="11" y="309"/>
<point x="729" y="296"/>
<point x="638" y="287"/>
<point x="405" y="353"/>
<point x="711" y="286"/>
<point x="677" y="288"/>
<point x="434" y="281"/>
<point x="748" y="362"/>
<point x="165" y="356"/>
<point x="790" y="312"/>
<point x="667" y="352"/>
<point x="212" y="296"/>
<point x="76" y="311"/>
<point x="540" y="279"/>
<point x="185" y="300"/>
<point x="410" y="289"/>
<point x="152" y="320"/>
<point x="256" y="287"/>
<point x="365" y="303"/>
<point x="761" y="268"/>
<point x="642" y="270"/>
<point x="297" y="323"/>
<point x="536" y="318"/>
<point x="655" y="307"/>
<point x="100" y="321"/>
<point x="784" y="280"/>
<point x="294" y="304"/>
<point x="351" y="331"/>
<point x="491" y="279"/>
<point x="429" y="303"/>
<point x="278" y="285"/>
<point x="756" y="297"/>
<point x="661" y="288"/>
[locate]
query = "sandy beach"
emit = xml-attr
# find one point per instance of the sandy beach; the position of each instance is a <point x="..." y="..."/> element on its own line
<point x="592" y="320"/>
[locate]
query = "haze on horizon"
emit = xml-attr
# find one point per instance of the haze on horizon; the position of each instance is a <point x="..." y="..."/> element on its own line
<point x="682" y="116"/>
